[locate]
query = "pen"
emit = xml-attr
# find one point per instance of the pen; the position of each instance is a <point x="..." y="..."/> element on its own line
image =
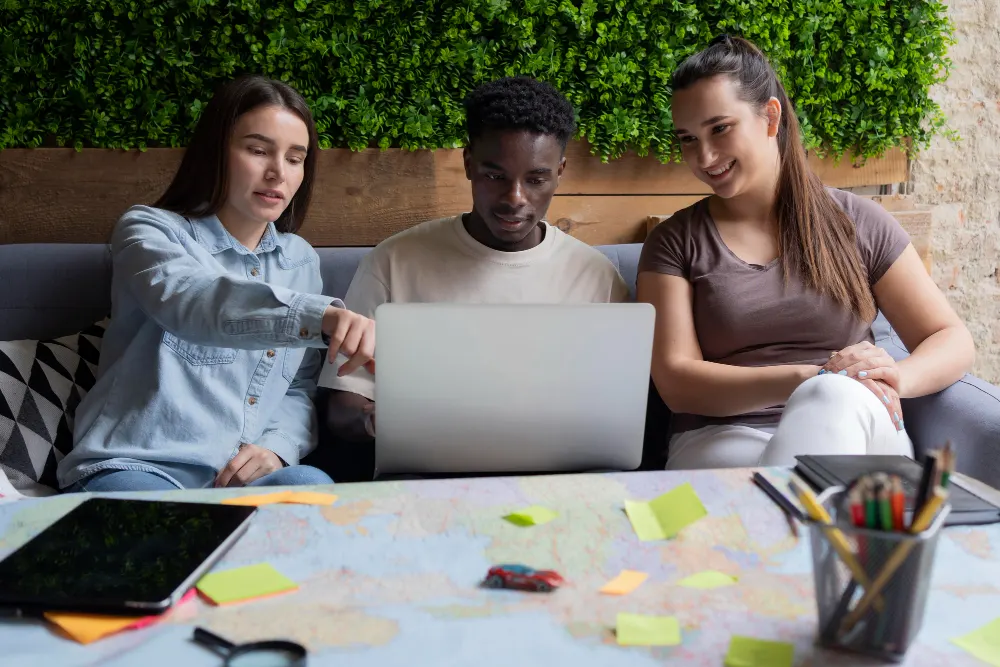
<point x="927" y="482"/>
<point x="791" y="511"/>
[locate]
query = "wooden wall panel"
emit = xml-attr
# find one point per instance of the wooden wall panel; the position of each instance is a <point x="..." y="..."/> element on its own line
<point x="633" y="175"/>
<point x="606" y="220"/>
<point x="64" y="196"/>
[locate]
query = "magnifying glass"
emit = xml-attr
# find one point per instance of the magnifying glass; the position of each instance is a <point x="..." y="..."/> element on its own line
<point x="273" y="653"/>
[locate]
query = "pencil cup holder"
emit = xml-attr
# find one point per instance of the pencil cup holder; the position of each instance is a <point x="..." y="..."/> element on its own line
<point x="871" y="585"/>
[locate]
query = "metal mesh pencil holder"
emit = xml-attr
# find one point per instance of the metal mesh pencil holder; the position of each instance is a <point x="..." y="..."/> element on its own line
<point x="871" y="585"/>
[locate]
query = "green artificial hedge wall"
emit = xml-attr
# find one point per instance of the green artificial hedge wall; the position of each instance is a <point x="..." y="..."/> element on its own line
<point x="136" y="73"/>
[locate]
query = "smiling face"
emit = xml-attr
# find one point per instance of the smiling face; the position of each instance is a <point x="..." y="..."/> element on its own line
<point x="727" y="142"/>
<point x="514" y="174"/>
<point x="267" y="154"/>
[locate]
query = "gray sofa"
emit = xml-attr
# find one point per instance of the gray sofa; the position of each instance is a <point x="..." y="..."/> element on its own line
<point x="50" y="290"/>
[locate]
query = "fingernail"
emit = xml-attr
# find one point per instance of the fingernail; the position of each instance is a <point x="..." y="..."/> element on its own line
<point x="863" y="374"/>
<point x="896" y="417"/>
<point x="842" y="373"/>
<point x="885" y="399"/>
<point x="822" y="371"/>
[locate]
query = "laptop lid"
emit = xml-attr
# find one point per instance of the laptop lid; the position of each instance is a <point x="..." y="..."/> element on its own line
<point x="511" y="388"/>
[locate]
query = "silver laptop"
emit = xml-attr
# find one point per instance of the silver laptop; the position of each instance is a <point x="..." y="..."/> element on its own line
<point x="511" y="388"/>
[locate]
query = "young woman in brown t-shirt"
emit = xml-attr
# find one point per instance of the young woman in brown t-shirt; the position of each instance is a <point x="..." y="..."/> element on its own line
<point x="766" y="291"/>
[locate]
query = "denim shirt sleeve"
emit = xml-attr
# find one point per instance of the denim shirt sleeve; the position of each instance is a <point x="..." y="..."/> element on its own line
<point x="154" y="259"/>
<point x="292" y="432"/>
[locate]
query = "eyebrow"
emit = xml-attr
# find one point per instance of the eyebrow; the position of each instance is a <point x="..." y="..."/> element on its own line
<point x="711" y="121"/>
<point x="540" y="170"/>
<point x="270" y="141"/>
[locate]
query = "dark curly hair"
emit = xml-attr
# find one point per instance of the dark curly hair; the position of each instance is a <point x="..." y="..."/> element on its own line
<point x="519" y="103"/>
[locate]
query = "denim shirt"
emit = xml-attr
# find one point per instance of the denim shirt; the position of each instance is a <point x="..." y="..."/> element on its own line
<point x="209" y="346"/>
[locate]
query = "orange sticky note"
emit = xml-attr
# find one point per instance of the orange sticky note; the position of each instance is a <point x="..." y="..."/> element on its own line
<point x="297" y="497"/>
<point x="85" y="628"/>
<point x="311" y="498"/>
<point x="258" y="500"/>
<point x="626" y="582"/>
<point x="88" y="628"/>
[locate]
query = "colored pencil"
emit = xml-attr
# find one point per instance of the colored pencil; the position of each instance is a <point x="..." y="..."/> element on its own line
<point x="919" y="525"/>
<point x="898" y="504"/>
<point x="836" y="538"/>
<point x="949" y="464"/>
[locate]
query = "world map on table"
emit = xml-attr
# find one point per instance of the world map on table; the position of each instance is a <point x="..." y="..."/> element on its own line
<point x="390" y="575"/>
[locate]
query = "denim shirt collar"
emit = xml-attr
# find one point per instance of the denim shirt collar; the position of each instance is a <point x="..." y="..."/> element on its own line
<point x="214" y="237"/>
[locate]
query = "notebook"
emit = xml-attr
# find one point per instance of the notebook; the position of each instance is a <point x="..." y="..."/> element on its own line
<point x="825" y="471"/>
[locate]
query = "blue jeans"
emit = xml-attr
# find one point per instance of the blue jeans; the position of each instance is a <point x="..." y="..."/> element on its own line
<point x="137" y="480"/>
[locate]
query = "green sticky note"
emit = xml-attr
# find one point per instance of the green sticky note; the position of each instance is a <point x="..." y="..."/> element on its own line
<point x="708" y="579"/>
<point x="640" y="630"/>
<point x="983" y="643"/>
<point x="244" y="583"/>
<point x="749" y="652"/>
<point x="535" y="515"/>
<point x="663" y="517"/>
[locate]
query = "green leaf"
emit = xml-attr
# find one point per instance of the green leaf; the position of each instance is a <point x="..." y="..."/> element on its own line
<point x="131" y="74"/>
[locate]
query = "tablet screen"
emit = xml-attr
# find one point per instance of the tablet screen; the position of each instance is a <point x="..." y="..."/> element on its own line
<point x="109" y="553"/>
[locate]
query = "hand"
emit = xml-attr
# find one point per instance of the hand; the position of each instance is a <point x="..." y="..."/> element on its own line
<point x="865" y="361"/>
<point x="353" y="336"/>
<point x="889" y="398"/>
<point x="250" y="463"/>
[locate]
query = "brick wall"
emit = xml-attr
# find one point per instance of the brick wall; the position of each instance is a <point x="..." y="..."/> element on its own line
<point x="966" y="175"/>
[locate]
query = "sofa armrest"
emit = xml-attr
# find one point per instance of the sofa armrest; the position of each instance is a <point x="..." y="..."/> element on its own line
<point x="968" y="414"/>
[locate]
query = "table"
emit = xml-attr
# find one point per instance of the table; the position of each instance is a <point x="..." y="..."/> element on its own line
<point x="389" y="576"/>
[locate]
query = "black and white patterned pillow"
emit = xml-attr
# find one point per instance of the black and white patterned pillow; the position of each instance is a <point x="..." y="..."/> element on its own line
<point x="41" y="384"/>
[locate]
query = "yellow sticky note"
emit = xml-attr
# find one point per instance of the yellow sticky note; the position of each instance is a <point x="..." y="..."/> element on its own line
<point x="298" y="497"/>
<point x="708" y="579"/>
<point x="665" y="516"/>
<point x="535" y="515"/>
<point x="244" y="583"/>
<point x="640" y="630"/>
<point x="626" y="582"/>
<point x="983" y="643"/>
<point x="749" y="652"/>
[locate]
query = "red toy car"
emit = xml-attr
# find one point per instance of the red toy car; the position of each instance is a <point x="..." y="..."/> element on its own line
<point x="522" y="577"/>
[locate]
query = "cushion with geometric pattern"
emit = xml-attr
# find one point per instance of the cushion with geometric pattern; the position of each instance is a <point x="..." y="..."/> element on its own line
<point x="41" y="384"/>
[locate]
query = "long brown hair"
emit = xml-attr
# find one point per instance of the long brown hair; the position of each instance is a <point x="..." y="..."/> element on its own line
<point x="201" y="184"/>
<point x="816" y="239"/>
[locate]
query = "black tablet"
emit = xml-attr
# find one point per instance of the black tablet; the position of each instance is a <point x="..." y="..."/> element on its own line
<point x="113" y="556"/>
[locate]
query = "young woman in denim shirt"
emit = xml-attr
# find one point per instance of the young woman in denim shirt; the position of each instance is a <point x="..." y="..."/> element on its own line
<point x="218" y="321"/>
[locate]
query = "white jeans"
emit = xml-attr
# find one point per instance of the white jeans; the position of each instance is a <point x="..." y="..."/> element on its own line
<point x="827" y="414"/>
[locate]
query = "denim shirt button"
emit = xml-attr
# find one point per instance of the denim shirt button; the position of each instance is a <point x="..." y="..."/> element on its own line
<point x="255" y="271"/>
<point x="252" y="400"/>
<point x="270" y="354"/>
<point x="304" y="333"/>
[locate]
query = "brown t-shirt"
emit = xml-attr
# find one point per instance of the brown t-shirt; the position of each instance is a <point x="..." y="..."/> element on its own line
<point x="745" y="315"/>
